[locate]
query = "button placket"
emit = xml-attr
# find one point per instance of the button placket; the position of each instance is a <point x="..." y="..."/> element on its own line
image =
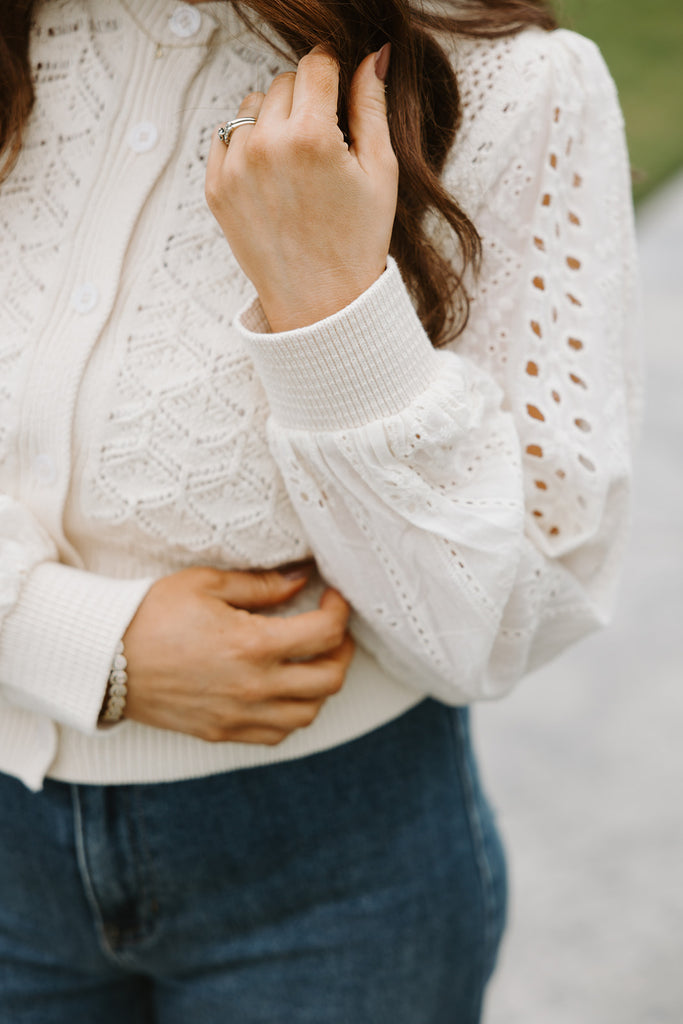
<point x="85" y="297"/>
<point x="47" y="466"/>
<point x="185" y="22"/>
<point x="44" y="469"/>
<point x="143" y="136"/>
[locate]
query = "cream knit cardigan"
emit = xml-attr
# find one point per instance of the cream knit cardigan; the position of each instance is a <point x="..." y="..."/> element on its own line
<point x="470" y="503"/>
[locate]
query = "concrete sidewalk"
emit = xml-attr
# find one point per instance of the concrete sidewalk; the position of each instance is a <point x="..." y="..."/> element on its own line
<point x="585" y="760"/>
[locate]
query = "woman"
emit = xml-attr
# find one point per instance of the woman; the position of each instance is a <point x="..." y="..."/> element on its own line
<point x="391" y="352"/>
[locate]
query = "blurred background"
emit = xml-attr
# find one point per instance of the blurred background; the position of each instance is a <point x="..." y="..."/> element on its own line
<point x="642" y="42"/>
<point x="584" y="761"/>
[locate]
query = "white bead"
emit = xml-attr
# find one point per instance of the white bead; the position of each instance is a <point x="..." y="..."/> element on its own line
<point x="119" y="662"/>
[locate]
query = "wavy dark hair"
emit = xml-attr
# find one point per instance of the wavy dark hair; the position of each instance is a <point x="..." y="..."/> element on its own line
<point x="422" y="98"/>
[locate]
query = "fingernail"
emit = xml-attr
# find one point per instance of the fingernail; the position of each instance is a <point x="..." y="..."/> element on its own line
<point x="382" y="61"/>
<point x="295" y="572"/>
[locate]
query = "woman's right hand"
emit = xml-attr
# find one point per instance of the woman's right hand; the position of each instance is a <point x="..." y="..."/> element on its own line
<point x="202" y="661"/>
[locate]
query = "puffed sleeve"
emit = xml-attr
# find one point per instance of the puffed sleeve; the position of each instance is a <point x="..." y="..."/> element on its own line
<point x="472" y="503"/>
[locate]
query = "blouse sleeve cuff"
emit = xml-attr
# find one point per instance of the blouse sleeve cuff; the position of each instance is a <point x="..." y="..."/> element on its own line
<point x="364" y="363"/>
<point x="58" y="644"/>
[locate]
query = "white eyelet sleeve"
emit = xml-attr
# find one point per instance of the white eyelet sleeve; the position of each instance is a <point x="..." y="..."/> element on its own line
<point x="471" y="504"/>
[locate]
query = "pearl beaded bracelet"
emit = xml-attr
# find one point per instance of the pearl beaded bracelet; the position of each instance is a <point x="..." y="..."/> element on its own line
<point x="117" y="689"/>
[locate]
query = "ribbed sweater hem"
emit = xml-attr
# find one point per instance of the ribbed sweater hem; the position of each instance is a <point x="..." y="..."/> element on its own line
<point x="132" y="753"/>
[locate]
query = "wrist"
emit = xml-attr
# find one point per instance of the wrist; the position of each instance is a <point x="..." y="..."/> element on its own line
<point x="367" y="362"/>
<point x="293" y="311"/>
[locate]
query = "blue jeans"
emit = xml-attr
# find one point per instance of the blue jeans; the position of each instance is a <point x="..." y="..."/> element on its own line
<point x="362" y="885"/>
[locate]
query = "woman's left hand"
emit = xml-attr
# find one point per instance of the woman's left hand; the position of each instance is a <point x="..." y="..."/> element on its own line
<point x="308" y="218"/>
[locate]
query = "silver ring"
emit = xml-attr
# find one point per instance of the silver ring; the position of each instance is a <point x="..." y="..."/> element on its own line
<point x="226" y="130"/>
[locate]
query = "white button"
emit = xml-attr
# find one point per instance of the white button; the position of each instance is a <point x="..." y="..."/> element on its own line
<point x="85" y="297"/>
<point x="45" y="469"/>
<point x="143" y="136"/>
<point x="185" y="22"/>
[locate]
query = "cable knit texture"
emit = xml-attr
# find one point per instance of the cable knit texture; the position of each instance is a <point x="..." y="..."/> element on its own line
<point x="471" y="503"/>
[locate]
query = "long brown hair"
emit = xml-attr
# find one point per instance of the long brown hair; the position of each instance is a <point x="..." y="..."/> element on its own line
<point x="422" y="99"/>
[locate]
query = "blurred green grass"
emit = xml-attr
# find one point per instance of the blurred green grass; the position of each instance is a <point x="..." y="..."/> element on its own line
<point x="642" y="42"/>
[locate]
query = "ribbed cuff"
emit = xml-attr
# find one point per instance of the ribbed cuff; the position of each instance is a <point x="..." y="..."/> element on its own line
<point x="367" y="362"/>
<point x="57" y="645"/>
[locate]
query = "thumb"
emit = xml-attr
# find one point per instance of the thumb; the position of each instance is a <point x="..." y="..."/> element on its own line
<point x="368" y="126"/>
<point x="254" y="590"/>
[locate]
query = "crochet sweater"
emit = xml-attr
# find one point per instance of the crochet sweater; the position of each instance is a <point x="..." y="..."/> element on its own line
<point x="469" y="502"/>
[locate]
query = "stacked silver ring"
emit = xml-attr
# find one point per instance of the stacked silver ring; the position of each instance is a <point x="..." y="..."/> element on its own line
<point x="226" y="130"/>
